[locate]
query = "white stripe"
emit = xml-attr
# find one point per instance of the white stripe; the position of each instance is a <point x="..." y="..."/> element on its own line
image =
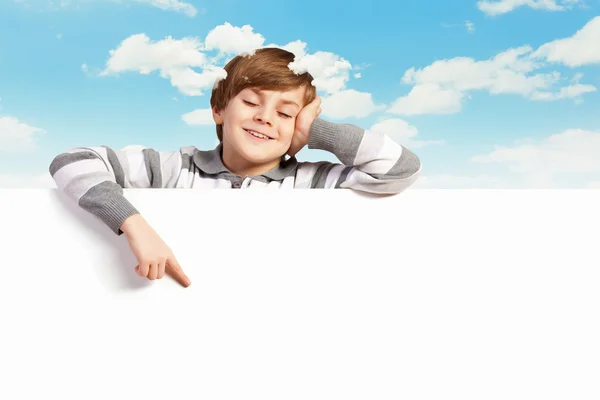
<point x="199" y="182"/>
<point x="255" y="184"/>
<point x="80" y="185"/>
<point x="377" y="153"/>
<point x="170" y="164"/>
<point x="288" y="182"/>
<point x="122" y="156"/>
<point x="63" y="176"/>
<point x="104" y="155"/>
<point x="138" y="175"/>
<point x="334" y="175"/>
<point x="358" y="180"/>
<point x="304" y="174"/>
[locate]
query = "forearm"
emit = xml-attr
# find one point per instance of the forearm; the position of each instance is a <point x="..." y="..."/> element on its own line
<point x="375" y="155"/>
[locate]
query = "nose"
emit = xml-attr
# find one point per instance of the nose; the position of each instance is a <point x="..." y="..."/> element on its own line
<point x="264" y="116"/>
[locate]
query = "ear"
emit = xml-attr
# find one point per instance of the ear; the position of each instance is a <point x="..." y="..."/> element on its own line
<point x="217" y="117"/>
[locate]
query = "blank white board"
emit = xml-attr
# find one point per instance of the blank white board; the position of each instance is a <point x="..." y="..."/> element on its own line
<point x="430" y="294"/>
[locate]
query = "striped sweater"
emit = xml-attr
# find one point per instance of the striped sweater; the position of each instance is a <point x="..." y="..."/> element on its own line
<point x="94" y="177"/>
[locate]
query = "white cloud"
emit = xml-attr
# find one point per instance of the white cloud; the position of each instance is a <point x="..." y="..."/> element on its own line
<point x="138" y="53"/>
<point x="580" y="49"/>
<point x="349" y="103"/>
<point x="428" y="98"/>
<point x="441" y="87"/>
<point x="504" y="73"/>
<point x="505" y="6"/>
<point x="167" y="5"/>
<point x="173" y="59"/>
<point x="331" y="72"/>
<point x="566" y="92"/>
<point x="178" y="59"/>
<point x="452" y="181"/>
<point x="192" y="83"/>
<point x="230" y="39"/>
<point x="16" y="135"/>
<point x="201" y="116"/>
<point x="470" y="26"/>
<point x="172" y="5"/>
<point x="402" y="132"/>
<point x="573" y="152"/>
<point x="565" y="160"/>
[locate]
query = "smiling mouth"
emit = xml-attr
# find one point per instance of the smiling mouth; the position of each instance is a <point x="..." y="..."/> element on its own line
<point x="258" y="135"/>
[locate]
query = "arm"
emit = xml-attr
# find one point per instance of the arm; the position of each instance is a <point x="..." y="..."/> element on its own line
<point x="371" y="161"/>
<point x="94" y="177"/>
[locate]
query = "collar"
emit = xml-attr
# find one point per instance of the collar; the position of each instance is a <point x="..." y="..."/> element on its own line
<point x="210" y="162"/>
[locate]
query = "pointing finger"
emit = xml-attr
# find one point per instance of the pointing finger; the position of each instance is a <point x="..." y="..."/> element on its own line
<point x="174" y="269"/>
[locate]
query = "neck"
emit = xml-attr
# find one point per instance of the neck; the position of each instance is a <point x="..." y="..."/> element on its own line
<point x="241" y="167"/>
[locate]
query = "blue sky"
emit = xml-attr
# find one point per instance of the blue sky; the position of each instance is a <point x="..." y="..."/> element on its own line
<point x="493" y="94"/>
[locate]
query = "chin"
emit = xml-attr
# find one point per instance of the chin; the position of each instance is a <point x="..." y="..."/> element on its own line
<point x="261" y="156"/>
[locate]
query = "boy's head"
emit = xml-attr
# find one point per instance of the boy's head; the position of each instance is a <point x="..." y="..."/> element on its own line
<point x="260" y="94"/>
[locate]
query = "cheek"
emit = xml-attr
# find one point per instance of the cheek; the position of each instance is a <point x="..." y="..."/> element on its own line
<point x="287" y="129"/>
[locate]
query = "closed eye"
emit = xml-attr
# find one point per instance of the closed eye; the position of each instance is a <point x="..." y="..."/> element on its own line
<point x="284" y="115"/>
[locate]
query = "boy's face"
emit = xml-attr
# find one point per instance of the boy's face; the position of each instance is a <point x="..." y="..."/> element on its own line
<point x="271" y="115"/>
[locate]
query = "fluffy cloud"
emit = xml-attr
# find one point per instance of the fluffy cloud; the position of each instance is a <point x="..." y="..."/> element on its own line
<point x="443" y="86"/>
<point x="167" y="5"/>
<point x="402" y="132"/>
<point x="172" y="5"/>
<point x="172" y="58"/>
<point x="192" y="71"/>
<point x="16" y="135"/>
<point x="566" y="92"/>
<point x="186" y="64"/>
<point x="573" y="152"/>
<point x="451" y="181"/>
<point x="428" y="98"/>
<point x="331" y="72"/>
<point x="580" y="49"/>
<point x="201" y="116"/>
<point x="499" y="7"/>
<point x="229" y="39"/>
<point x="349" y="103"/>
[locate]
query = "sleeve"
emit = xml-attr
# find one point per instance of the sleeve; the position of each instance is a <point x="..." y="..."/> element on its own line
<point x="371" y="161"/>
<point x="94" y="178"/>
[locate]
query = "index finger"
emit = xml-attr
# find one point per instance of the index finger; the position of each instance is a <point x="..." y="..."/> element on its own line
<point x="173" y="268"/>
<point x="317" y="101"/>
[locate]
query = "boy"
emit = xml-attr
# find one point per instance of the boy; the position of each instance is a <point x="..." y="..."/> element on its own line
<point x="262" y="111"/>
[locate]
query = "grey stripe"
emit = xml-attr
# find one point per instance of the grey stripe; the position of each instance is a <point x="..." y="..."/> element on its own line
<point x="343" y="177"/>
<point x="69" y="158"/>
<point x="343" y="140"/>
<point x="116" y="165"/>
<point x="152" y="160"/>
<point x="348" y="147"/>
<point x="320" y="177"/>
<point x="405" y="167"/>
<point x="186" y="161"/>
<point x="106" y="201"/>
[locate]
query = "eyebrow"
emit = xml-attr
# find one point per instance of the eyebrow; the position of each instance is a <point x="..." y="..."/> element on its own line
<point x="284" y="101"/>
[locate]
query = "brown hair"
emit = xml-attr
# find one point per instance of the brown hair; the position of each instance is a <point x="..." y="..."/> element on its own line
<point x="267" y="69"/>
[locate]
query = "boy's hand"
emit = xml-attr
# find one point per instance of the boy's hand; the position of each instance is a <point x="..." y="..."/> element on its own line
<point x="304" y="121"/>
<point x="153" y="255"/>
